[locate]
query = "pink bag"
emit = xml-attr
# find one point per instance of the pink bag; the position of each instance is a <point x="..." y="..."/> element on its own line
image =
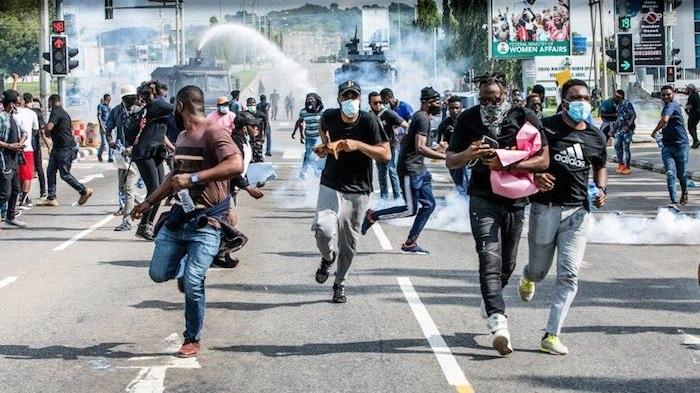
<point x="515" y="184"/>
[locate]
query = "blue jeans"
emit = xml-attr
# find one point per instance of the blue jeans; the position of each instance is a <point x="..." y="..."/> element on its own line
<point x="198" y="247"/>
<point x="675" y="160"/>
<point x="415" y="189"/>
<point x="460" y="177"/>
<point x="103" y="146"/>
<point x="382" y="169"/>
<point x="623" y="140"/>
<point x="309" y="143"/>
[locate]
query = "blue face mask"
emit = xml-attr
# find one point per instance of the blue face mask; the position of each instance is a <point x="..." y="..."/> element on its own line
<point x="579" y="111"/>
<point x="223" y="109"/>
<point x="350" y="107"/>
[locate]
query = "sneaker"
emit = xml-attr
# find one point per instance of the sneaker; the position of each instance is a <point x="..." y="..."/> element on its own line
<point x="119" y="212"/>
<point x="684" y="198"/>
<point x="322" y="272"/>
<point x="48" y="202"/>
<point x="124" y="226"/>
<point x="18" y="213"/>
<point x="619" y="168"/>
<point x="368" y="221"/>
<point x="100" y="159"/>
<point x="188" y="350"/>
<point x="268" y="154"/>
<point x="526" y="289"/>
<point x="84" y="197"/>
<point x="16" y="223"/>
<point x="673" y="207"/>
<point x="482" y="310"/>
<point x="552" y="345"/>
<point x="110" y="160"/>
<point x="413" y="249"/>
<point x="626" y="171"/>
<point x="145" y="232"/>
<point x="498" y="324"/>
<point x="339" y="294"/>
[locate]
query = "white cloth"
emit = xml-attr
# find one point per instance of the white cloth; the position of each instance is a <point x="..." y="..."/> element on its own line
<point x="27" y="121"/>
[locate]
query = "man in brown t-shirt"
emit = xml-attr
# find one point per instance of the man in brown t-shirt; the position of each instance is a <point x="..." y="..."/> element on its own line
<point x="206" y="159"/>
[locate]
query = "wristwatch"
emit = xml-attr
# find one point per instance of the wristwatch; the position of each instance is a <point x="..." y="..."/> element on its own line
<point x="194" y="178"/>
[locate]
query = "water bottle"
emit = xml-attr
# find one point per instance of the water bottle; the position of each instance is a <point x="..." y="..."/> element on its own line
<point x="659" y="141"/>
<point x="186" y="200"/>
<point x="592" y="193"/>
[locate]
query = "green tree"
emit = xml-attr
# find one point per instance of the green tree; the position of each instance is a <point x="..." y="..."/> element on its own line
<point x="449" y="23"/>
<point x="213" y="21"/>
<point x="19" y="37"/>
<point x="428" y="17"/>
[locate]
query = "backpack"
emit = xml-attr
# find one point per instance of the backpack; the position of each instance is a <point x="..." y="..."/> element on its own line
<point x="133" y="126"/>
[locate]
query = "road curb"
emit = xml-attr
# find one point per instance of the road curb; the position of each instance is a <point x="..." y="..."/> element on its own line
<point x="658" y="168"/>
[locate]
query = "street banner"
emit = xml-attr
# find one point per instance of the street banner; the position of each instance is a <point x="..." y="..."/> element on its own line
<point x="375" y="27"/>
<point x="529" y="28"/>
<point x="650" y="48"/>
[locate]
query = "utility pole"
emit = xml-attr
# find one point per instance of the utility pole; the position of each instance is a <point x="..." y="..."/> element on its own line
<point x="592" y="4"/>
<point x="44" y="77"/>
<point x="602" y="48"/>
<point x="60" y="81"/>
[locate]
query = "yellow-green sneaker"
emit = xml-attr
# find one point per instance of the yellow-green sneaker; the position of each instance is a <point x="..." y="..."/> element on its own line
<point x="552" y="345"/>
<point x="526" y="289"/>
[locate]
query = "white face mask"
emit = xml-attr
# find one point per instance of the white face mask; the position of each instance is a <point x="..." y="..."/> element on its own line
<point x="350" y="108"/>
<point x="251" y="109"/>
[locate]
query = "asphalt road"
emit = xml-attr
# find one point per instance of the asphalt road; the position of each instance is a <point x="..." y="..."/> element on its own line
<point x="83" y="316"/>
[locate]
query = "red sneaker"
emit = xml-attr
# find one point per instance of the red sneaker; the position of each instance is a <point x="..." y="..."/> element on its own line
<point x="188" y="350"/>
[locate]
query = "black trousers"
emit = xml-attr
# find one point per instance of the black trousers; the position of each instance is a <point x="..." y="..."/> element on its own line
<point x="693" y="121"/>
<point x="60" y="160"/>
<point x="496" y="230"/>
<point x="9" y="191"/>
<point x="38" y="165"/>
<point x="152" y="173"/>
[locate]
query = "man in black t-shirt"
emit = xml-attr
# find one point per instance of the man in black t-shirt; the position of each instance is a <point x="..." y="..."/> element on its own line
<point x="352" y="139"/>
<point x="460" y="176"/>
<point x="264" y="107"/>
<point x="259" y="139"/>
<point x="11" y="147"/>
<point x="559" y="213"/>
<point x="62" y="154"/>
<point x="692" y="109"/>
<point x="496" y="221"/>
<point x="416" y="180"/>
<point x="389" y="120"/>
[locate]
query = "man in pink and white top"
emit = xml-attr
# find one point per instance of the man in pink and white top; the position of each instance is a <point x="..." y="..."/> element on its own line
<point x="223" y="115"/>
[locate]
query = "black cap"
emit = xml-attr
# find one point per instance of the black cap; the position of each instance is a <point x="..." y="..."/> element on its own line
<point x="428" y="93"/>
<point x="348" y="86"/>
<point x="246" y="119"/>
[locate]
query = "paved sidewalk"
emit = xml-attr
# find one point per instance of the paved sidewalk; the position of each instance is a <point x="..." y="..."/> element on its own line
<point x="647" y="155"/>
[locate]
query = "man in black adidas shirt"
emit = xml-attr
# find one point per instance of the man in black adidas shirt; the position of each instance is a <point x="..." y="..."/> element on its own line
<point x="496" y="221"/>
<point x="559" y="213"/>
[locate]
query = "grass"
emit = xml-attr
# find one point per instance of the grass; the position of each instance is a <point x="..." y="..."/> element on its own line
<point x="245" y="76"/>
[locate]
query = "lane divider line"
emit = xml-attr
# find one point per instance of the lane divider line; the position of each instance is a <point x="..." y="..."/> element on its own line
<point x="381" y="236"/>
<point x="7" y="281"/>
<point x="84" y="233"/>
<point x="450" y="368"/>
<point x="292" y="154"/>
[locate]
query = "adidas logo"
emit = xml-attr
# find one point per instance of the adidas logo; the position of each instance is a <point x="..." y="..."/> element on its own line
<point x="573" y="156"/>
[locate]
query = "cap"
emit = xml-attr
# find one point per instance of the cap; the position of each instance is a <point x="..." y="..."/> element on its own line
<point x="428" y="93"/>
<point x="127" y="90"/>
<point x="349" y="85"/>
<point x="690" y="86"/>
<point x="246" y="119"/>
<point x="222" y="100"/>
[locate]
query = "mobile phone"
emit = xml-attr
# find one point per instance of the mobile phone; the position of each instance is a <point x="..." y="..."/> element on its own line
<point x="489" y="141"/>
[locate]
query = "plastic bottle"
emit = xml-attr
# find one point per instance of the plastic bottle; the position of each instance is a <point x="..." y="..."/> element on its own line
<point x="592" y="194"/>
<point x="659" y="141"/>
<point x="186" y="200"/>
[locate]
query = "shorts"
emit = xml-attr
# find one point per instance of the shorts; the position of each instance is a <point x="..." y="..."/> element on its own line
<point x="26" y="171"/>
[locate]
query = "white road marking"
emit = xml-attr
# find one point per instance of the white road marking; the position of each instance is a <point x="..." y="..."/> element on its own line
<point x="692" y="342"/>
<point x="453" y="373"/>
<point x="84" y="233"/>
<point x="381" y="236"/>
<point x="292" y="154"/>
<point x="7" y="281"/>
<point x="90" y="178"/>
<point x="151" y="379"/>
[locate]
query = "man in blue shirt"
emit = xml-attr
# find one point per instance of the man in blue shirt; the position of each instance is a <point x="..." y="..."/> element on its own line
<point x="623" y="129"/>
<point x="102" y="116"/>
<point x="401" y="108"/>
<point x="674" y="152"/>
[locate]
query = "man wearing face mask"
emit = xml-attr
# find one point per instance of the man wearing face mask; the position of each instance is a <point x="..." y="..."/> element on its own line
<point x="496" y="221"/>
<point x="307" y="124"/>
<point x="11" y="148"/>
<point x="416" y="180"/>
<point x="223" y="115"/>
<point x="245" y="125"/>
<point x="559" y="215"/>
<point x="352" y="139"/>
<point x="264" y="107"/>
<point x="402" y="108"/>
<point x="259" y="138"/>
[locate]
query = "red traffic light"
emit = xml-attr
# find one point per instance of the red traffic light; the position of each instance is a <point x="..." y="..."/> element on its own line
<point x="58" y="42"/>
<point x="58" y="26"/>
<point x="670" y="74"/>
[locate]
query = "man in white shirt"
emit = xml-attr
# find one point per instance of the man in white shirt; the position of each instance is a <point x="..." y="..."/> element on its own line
<point x="28" y="123"/>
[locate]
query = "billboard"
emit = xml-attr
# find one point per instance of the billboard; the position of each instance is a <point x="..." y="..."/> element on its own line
<point x="375" y="27"/>
<point x="529" y="28"/>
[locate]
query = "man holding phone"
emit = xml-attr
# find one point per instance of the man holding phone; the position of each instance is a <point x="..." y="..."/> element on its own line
<point x="496" y="221"/>
<point x="416" y="186"/>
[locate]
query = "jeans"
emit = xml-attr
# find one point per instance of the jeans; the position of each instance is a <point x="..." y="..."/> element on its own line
<point x="623" y="140"/>
<point x="103" y="146"/>
<point x="9" y="192"/>
<point x="309" y="157"/>
<point x="337" y="222"/>
<point x="563" y="229"/>
<point x="60" y="160"/>
<point x="496" y="230"/>
<point x="460" y="177"/>
<point x="152" y="174"/>
<point x="382" y="169"/>
<point x="675" y="160"/>
<point x="416" y="189"/>
<point x="198" y="248"/>
<point x="39" y="166"/>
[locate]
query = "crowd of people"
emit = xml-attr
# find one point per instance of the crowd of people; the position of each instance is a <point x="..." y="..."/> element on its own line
<point x="548" y="24"/>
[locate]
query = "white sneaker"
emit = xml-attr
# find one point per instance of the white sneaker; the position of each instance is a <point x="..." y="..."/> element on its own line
<point x="498" y="324"/>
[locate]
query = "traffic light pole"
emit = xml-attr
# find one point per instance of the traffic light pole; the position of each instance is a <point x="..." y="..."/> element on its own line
<point x="44" y="77"/>
<point x="60" y="81"/>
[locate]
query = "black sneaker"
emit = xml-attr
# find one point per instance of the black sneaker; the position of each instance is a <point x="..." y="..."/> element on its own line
<point x="322" y="272"/>
<point x="368" y="221"/>
<point x="339" y="294"/>
<point x="145" y="233"/>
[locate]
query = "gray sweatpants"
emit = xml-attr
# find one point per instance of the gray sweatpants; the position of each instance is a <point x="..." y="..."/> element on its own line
<point x="563" y="228"/>
<point x="127" y="184"/>
<point x="337" y="226"/>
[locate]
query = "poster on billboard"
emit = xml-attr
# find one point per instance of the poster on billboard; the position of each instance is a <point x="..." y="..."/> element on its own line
<point x="529" y="28"/>
<point x="375" y="27"/>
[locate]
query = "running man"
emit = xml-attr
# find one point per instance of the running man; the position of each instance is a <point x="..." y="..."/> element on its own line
<point x="307" y="124"/>
<point x="390" y="120"/>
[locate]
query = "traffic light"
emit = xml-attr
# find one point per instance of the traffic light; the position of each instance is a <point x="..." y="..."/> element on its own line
<point x="675" y="52"/>
<point x="670" y="74"/>
<point x="72" y="52"/>
<point x="59" y="55"/>
<point x="47" y="56"/>
<point x="612" y="54"/>
<point x="109" y="12"/>
<point x="625" y="53"/>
